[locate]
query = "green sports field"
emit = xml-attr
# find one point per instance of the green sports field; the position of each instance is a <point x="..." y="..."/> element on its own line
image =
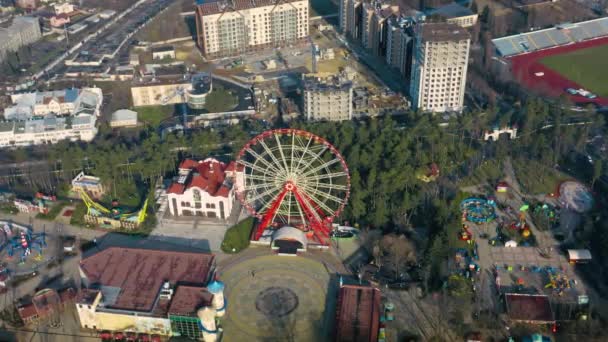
<point x="587" y="67"/>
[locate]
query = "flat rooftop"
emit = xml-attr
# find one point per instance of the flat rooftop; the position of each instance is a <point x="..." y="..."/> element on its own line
<point x="358" y="316"/>
<point x="137" y="275"/>
<point x="443" y="32"/>
<point x="209" y="7"/>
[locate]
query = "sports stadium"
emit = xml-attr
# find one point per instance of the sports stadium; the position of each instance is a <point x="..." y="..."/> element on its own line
<point x="568" y="59"/>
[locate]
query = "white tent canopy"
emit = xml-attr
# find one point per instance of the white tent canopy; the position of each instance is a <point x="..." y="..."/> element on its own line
<point x="579" y="254"/>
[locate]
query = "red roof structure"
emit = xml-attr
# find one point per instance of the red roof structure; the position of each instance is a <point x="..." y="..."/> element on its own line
<point x="529" y="308"/>
<point x="188" y="299"/>
<point x="358" y="314"/>
<point x="46" y="302"/>
<point x="140" y="273"/>
<point x="207" y="175"/>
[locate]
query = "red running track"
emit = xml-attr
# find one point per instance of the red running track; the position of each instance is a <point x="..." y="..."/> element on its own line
<point x="552" y="83"/>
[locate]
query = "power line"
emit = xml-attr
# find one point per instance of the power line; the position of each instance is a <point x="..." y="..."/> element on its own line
<point x="47" y="333"/>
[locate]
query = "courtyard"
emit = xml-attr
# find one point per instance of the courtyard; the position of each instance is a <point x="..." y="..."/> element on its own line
<point x="278" y="298"/>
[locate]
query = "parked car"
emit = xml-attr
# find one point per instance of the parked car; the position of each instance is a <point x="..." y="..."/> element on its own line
<point x="399" y="285"/>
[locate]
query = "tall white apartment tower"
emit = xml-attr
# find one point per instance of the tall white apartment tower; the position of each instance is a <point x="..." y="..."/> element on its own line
<point x="439" y="67"/>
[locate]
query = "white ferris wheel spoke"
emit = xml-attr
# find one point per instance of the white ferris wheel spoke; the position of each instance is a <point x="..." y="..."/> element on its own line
<point x="262" y="210"/>
<point x="257" y="177"/>
<point x="303" y="153"/>
<point x="326" y="176"/>
<point x="331" y="186"/>
<point x="311" y="208"/>
<point x="289" y="207"/>
<point x="260" y="158"/>
<point x="280" y="147"/>
<point x="323" y="194"/>
<point x="277" y="163"/>
<point x="293" y="145"/>
<point x="259" y="186"/>
<point x="322" y="166"/>
<point x="320" y="203"/>
<point x="263" y="194"/>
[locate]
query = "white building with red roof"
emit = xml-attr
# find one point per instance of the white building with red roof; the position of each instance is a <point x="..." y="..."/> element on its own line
<point x="204" y="188"/>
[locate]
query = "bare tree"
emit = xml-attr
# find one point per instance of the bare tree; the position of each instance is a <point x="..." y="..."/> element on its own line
<point x="399" y="250"/>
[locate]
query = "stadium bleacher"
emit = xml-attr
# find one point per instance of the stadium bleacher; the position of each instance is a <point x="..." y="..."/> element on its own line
<point x="548" y="38"/>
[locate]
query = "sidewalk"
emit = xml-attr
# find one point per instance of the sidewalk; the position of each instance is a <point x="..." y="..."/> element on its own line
<point x="52" y="227"/>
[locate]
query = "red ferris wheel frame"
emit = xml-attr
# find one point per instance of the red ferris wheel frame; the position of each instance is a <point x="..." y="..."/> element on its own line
<point x="317" y="216"/>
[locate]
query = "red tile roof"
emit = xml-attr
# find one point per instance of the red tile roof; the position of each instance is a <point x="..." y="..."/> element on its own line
<point x="27" y="311"/>
<point x="207" y="175"/>
<point x="529" y="308"/>
<point x="358" y="314"/>
<point x="188" y="299"/>
<point x="46" y="301"/>
<point x="140" y="273"/>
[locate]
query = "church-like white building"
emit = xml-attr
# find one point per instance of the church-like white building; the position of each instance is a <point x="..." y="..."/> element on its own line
<point x="204" y="188"/>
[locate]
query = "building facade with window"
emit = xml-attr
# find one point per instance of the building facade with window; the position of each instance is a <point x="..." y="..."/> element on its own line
<point x="204" y="188"/>
<point x="231" y="27"/>
<point x="327" y="98"/>
<point x="439" y="70"/>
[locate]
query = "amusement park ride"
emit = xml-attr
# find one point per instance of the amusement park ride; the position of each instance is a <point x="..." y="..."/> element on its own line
<point x="293" y="178"/>
<point x="97" y="210"/>
<point x="23" y="243"/>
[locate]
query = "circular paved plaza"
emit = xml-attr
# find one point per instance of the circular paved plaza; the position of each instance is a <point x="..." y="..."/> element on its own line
<point x="276" y="298"/>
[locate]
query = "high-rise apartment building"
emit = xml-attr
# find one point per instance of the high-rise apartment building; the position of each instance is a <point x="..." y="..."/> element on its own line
<point x="384" y="29"/>
<point x="231" y="27"/>
<point x="439" y="70"/>
<point x="399" y="43"/>
<point x="327" y="98"/>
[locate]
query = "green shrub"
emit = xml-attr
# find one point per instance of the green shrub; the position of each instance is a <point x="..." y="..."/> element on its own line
<point x="78" y="215"/>
<point x="237" y="237"/>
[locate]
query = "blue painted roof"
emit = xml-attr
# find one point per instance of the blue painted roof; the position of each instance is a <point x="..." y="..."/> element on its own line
<point x="71" y="95"/>
<point x="215" y="287"/>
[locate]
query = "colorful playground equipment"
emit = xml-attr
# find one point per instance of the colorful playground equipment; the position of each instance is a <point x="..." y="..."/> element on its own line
<point x="558" y="282"/>
<point x="465" y="263"/>
<point x="465" y="234"/>
<point x="429" y="174"/>
<point x="114" y="217"/>
<point x="478" y="210"/>
<point x="23" y="242"/>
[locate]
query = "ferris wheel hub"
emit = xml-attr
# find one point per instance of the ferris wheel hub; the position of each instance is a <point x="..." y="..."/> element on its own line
<point x="289" y="186"/>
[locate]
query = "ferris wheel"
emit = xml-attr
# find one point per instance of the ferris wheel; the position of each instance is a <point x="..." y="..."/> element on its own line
<point x="293" y="178"/>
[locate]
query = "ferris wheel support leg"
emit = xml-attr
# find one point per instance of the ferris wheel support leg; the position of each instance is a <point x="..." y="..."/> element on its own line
<point x="267" y="218"/>
<point x="317" y="226"/>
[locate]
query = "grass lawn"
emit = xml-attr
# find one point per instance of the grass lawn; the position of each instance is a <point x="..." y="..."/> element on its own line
<point x="536" y="178"/>
<point x="586" y="67"/>
<point x="237" y="237"/>
<point x="53" y="212"/>
<point x="154" y="115"/>
<point x="220" y="100"/>
<point x="322" y="7"/>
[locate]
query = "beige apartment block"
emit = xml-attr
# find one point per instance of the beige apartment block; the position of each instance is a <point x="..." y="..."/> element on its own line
<point x="232" y="27"/>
